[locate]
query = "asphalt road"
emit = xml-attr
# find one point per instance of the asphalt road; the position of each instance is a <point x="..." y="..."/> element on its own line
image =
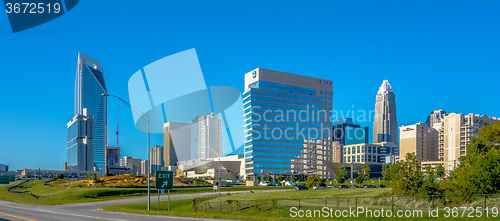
<point x="89" y="211"/>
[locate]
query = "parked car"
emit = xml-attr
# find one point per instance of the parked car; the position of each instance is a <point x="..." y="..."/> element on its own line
<point x="301" y="187"/>
<point x="331" y="186"/>
<point x="363" y="186"/>
<point x="318" y="187"/>
<point x="380" y="186"/>
<point x="343" y="187"/>
<point x="264" y="184"/>
<point x="368" y="186"/>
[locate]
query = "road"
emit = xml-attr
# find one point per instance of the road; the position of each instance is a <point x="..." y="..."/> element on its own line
<point x="89" y="211"/>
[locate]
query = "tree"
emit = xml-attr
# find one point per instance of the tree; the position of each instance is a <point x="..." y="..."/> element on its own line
<point x="365" y="171"/>
<point x="132" y="174"/>
<point x="257" y="178"/>
<point x="479" y="171"/>
<point x="341" y="174"/>
<point x="91" y="176"/>
<point x="385" y="171"/>
<point x="280" y="178"/>
<point x="51" y="176"/>
<point x="440" y="171"/>
<point x="407" y="176"/>
<point x="315" y="181"/>
<point x="294" y="179"/>
<point x="60" y="176"/>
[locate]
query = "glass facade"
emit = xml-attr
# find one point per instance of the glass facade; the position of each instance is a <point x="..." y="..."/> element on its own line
<point x="284" y="129"/>
<point x="89" y="88"/>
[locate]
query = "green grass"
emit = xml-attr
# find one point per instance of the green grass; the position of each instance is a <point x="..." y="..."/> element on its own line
<point x="184" y="208"/>
<point x="49" y="194"/>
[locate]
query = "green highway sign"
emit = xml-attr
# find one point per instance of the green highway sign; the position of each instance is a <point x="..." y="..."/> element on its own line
<point x="164" y="180"/>
<point x="4" y="182"/>
<point x="8" y="177"/>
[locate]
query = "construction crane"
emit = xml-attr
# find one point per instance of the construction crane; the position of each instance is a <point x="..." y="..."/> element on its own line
<point x="117" y="123"/>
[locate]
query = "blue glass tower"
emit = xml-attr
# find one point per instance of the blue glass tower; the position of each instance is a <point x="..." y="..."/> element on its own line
<point x="89" y="87"/>
<point x="287" y="124"/>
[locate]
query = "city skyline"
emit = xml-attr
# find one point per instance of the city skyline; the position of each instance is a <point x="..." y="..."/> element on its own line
<point x="355" y="47"/>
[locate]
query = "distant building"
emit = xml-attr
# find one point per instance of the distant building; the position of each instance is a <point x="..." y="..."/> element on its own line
<point x="80" y="150"/>
<point x="4" y="168"/>
<point x="144" y="167"/>
<point x="455" y="133"/>
<point x="156" y="158"/>
<point x="176" y="143"/>
<point x="206" y="137"/>
<point x="111" y="158"/>
<point x="435" y="118"/>
<point x="346" y="132"/>
<point x="134" y="165"/>
<point x="89" y="87"/>
<point x="419" y="139"/>
<point x="369" y="153"/>
<point x="65" y="166"/>
<point x="385" y="124"/>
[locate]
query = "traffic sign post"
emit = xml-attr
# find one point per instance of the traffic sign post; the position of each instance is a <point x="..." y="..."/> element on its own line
<point x="164" y="181"/>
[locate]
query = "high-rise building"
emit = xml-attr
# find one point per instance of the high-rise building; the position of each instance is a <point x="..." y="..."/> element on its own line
<point x="419" y="139"/>
<point x="435" y="118"/>
<point x="206" y="137"/>
<point x="89" y="87"/>
<point x="156" y="158"/>
<point x="80" y="150"/>
<point x="455" y="134"/>
<point x="65" y="166"/>
<point x="287" y="123"/>
<point x="176" y="143"/>
<point x="385" y="124"/>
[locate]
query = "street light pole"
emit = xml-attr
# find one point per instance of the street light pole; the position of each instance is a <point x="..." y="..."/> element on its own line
<point x="148" y="170"/>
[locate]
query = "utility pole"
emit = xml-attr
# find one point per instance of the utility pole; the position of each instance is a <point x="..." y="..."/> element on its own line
<point x="352" y="170"/>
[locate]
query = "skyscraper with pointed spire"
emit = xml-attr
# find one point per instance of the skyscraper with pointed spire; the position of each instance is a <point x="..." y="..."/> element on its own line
<point x="89" y="87"/>
<point x="385" y="124"/>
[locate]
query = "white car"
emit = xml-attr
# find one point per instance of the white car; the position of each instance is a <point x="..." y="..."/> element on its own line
<point x="264" y="184"/>
<point x="318" y="187"/>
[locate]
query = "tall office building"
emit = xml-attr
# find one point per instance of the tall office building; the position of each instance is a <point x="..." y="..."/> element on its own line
<point x="4" y="168"/>
<point x="287" y="123"/>
<point x="80" y="150"/>
<point x="206" y="137"/>
<point x="385" y="124"/>
<point x="89" y="87"/>
<point x="419" y="139"/>
<point x="176" y="143"/>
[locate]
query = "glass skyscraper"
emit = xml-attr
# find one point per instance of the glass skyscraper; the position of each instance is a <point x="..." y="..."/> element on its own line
<point x="89" y="87"/>
<point x="287" y="124"/>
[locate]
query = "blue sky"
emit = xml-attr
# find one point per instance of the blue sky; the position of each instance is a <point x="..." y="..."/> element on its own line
<point x="435" y="54"/>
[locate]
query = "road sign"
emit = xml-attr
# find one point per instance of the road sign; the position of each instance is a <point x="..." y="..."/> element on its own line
<point x="162" y="191"/>
<point x="4" y="182"/>
<point x="164" y="180"/>
<point x="215" y="187"/>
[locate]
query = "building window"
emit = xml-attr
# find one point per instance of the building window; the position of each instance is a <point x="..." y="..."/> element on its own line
<point x="329" y="93"/>
<point x="321" y="92"/>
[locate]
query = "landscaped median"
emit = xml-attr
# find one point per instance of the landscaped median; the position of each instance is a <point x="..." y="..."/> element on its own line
<point x="50" y="193"/>
<point x="343" y="204"/>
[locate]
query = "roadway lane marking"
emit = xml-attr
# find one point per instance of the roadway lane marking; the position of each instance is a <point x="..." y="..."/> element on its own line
<point x="67" y="214"/>
<point x="16" y="216"/>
